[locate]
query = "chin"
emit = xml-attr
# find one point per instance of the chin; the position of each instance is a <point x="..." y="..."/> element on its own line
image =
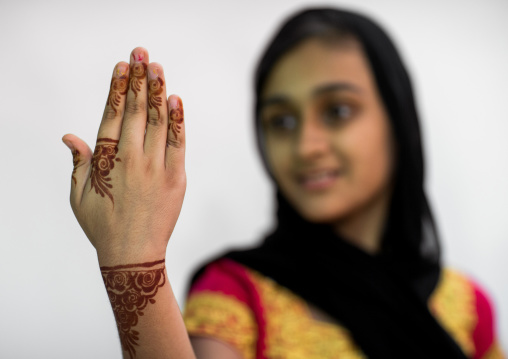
<point x="322" y="213"/>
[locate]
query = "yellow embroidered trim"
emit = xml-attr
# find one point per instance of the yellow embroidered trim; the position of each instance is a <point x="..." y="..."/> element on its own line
<point x="494" y="352"/>
<point x="291" y="332"/>
<point x="223" y="317"/>
<point x="453" y="303"/>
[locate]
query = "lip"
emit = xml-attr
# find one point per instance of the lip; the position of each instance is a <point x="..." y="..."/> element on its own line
<point x="318" y="179"/>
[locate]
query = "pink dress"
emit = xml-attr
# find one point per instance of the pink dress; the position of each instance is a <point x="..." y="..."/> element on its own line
<point x="261" y="319"/>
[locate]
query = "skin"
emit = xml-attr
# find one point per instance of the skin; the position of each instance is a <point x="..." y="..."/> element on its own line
<point x="131" y="288"/>
<point x="103" y="163"/>
<point x="330" y="116"/>
<point x="128" y="193"/>
<point x="309" y="123"/>
<point x="127" y="196"/>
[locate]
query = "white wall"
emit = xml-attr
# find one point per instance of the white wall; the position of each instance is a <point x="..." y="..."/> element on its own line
<point x="56" y="60"/>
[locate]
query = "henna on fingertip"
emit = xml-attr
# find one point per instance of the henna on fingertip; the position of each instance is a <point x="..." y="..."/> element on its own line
<point x="137" y="73"/>
<point x="155" y="89"/>
<point x="175" y="120"/>
<point x="118" y="88"/>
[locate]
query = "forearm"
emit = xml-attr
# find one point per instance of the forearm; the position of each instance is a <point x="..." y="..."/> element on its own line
<point x="148" y="318"/>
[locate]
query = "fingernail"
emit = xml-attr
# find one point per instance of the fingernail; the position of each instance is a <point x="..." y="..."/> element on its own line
<point x="69" y="144"/>
<point x="138" y="56"/>
<point x="153" y="73"/>
<point x="174" y="102"/>
<point x="121" y="70"/>
<point x="176" y="112"/>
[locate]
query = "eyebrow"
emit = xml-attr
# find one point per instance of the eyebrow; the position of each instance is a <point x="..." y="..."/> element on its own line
<point x="336" y="86"/>
<point x="333" y="87"/>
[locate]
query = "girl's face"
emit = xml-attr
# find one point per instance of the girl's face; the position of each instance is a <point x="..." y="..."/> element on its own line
<point x="327" y="132"/>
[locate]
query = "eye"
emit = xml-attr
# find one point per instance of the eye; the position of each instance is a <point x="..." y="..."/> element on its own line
<point x="338" y="113"/>
<point x="281" y="123"/>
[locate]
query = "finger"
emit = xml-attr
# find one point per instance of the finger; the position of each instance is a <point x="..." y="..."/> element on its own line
<point x="134" y="120"/>
<point x="157" y="123"/>
<point x="111" y="123"/>
<point x="104" y="160"/>
<point x="175" y="143"/>
<point x="82" y="157"/>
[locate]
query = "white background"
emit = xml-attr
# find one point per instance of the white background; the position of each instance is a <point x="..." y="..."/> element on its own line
<point x="56" y="61"/>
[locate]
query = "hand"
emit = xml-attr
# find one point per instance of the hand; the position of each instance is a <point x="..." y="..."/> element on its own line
<point x="127" y="194"/>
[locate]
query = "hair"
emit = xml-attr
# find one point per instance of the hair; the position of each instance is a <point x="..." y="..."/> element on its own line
<point x="410" y="236"/>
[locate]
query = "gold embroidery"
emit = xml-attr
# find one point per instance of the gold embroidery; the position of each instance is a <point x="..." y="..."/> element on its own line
<point x="291" y="332"/>
<point x="223" y="317"/>
<point x="494" y="352"/>
<point x="454" y="306"/>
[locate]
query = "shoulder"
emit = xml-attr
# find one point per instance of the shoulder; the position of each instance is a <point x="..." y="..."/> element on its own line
<point x="221" y="305"/>
<point x="466" y="310"/>
<point x="223" y="276"/>
<point x="485" y="335"/>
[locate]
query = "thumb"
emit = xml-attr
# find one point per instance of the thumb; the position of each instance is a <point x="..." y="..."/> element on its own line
<point x="82" y="158"/>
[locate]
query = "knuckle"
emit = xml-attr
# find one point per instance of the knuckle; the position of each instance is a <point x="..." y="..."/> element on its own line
<point x="154" y="168"/>
<point x="128" y="161"/>
<point x="135" y="107"/>
<point x="128" y="137"/>
<point x="110" y="114"/>
<point x="178" y="178"/>
<point x="154" y="120"/>
<point x="173" y="143"/>
<point x="149" y="166"/>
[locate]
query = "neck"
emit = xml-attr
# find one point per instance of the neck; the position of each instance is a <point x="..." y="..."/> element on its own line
<point x="364" y="227"/>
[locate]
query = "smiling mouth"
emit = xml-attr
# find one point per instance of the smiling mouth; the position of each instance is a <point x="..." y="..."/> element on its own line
<point x="318" y="180"/>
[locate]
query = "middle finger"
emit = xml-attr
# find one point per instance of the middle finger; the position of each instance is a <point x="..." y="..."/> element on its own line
<point x="134" y="121"/>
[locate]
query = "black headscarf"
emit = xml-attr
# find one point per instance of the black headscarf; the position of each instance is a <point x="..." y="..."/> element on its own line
<point x="382" y="299"/>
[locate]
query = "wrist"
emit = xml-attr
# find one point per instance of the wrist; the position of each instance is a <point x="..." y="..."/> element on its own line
<point x="112" y="258"/>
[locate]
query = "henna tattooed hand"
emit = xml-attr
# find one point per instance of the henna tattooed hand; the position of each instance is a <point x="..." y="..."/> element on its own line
<point x="127" y="193"/>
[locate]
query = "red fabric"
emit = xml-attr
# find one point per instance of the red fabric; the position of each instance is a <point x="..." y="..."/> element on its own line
<point x="231" y="278"/>
<point x="484" y="332"/>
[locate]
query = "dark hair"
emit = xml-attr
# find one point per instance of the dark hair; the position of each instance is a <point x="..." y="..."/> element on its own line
<point x="410" y="237"/>
<point x="381" y="299"/>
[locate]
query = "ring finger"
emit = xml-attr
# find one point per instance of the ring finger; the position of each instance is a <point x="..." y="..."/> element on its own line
<point x="157" y="124"/>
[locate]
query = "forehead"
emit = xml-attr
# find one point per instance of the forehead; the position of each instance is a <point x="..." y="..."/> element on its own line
<point x="316" y="63"/>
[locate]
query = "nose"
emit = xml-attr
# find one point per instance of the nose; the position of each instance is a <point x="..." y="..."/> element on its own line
<point x="312" y="140"/>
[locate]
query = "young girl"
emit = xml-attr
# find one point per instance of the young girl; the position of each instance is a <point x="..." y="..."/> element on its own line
<point x="352" y="269"/>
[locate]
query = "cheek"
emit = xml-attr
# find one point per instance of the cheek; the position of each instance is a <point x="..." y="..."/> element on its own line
<point x="370" y="158"/>
<point x="279" y="158"/>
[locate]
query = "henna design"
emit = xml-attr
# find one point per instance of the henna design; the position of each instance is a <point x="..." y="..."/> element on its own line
<point x="176" y="119"/>
<point x="103" y="161"/>
<point x="130" y="288"/>
<point x="155" y="88"/>
<point x="137" y="75"/>
<point x="139" y="57"/>
<point x="118" y="87"/>
<point x="75" y="161"/>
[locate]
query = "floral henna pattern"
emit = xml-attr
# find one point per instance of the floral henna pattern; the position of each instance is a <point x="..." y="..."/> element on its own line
<point x="155" y="88"/>
<point x="176" y="119"/>
<point x="103" y="161"/>
<point x="137" y="75"/>
<point x="119" y="86"/>
<point x="130" y="288"/>
<point x="75" y="161"/>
